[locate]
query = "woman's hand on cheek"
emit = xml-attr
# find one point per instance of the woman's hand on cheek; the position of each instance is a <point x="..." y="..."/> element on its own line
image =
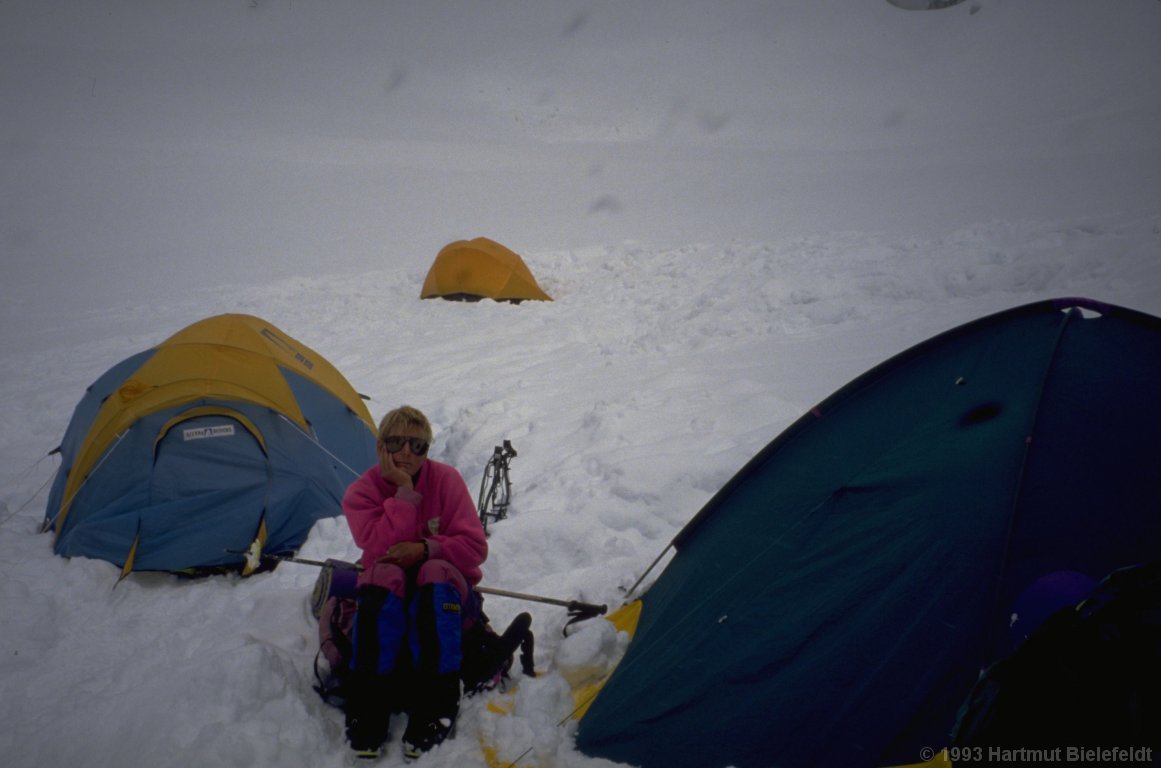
<point x="391" y="473"/>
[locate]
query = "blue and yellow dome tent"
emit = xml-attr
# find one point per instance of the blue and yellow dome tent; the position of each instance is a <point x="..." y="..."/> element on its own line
<point x="835" y="602"/>
<point x="226" y="433"/>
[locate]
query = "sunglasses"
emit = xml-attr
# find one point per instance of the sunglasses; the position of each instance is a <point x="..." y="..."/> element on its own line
<point x="418" y="445"/>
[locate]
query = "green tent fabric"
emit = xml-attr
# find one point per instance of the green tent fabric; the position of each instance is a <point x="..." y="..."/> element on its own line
<point x="834" y="603"/>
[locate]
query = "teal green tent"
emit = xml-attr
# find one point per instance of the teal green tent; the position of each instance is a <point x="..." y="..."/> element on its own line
<point x="835" y="602"/>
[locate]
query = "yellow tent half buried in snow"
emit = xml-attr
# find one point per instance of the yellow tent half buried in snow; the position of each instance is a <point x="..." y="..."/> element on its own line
<point x="470" y="270"/>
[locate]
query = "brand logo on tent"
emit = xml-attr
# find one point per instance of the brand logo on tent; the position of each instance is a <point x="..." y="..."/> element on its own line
<point x="203" y="433"/>
<point x="286" y="345"/>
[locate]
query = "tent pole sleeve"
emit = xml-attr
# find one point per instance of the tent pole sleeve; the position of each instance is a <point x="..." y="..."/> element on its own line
<point x="319" y="445"/>
<point x="58" y="519"/>
<point x="1029" y="445"/>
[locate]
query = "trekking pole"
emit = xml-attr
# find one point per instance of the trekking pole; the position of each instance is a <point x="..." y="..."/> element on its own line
<point x="342" y="565"/>
<point x="577" y="610"/>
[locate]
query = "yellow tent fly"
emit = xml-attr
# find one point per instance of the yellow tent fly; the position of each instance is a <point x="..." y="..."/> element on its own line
<point x="470" y="270"/>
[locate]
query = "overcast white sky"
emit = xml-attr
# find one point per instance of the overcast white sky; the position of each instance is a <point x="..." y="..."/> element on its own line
<point x="149" y="148"/>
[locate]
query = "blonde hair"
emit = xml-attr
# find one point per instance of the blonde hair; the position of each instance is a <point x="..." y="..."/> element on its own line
<point x="405" y="416"/>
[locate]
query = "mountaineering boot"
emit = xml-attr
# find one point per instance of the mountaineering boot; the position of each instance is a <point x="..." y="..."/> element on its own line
<point x="418" y="741"/>
<point x="378" y="635"/>
<point x="436" y="643"/>
<point x="366" y="754"/>
<point x="367" y="720"/>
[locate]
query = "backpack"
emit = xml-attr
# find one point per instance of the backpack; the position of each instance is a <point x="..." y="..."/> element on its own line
<point x="1090" y="675"/>
<point x="487" y="656"/>
<point x="333" y="605"/>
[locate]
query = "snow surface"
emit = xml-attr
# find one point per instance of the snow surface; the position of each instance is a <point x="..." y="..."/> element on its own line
<point x="737" y="206"/>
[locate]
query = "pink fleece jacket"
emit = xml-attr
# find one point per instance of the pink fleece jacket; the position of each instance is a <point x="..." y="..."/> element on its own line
<point x="440" y="510"/>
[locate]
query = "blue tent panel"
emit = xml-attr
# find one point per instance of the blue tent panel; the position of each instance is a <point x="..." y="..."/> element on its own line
<point x="179" y="459"/>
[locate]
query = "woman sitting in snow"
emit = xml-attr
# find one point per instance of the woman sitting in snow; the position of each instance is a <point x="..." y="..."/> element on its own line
<point x="423" y="546"/>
